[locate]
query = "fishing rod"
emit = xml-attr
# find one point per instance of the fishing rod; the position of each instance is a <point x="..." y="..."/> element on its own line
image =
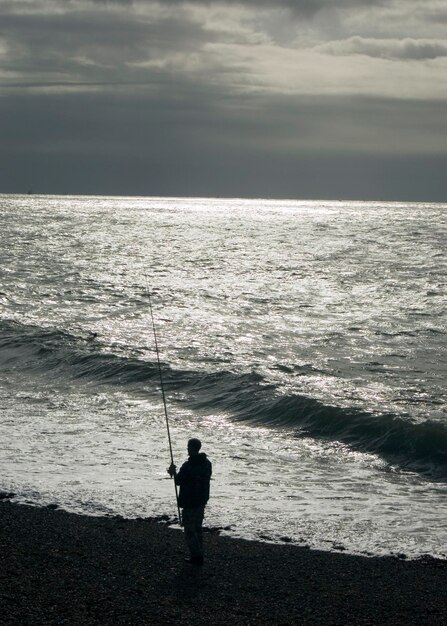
<point x="160" y="373"/>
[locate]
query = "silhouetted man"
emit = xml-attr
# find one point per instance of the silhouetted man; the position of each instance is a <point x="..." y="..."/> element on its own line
<point x="194" y="482"/>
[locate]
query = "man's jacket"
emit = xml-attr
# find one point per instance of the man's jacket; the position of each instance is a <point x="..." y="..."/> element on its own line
<point x="194" y="481"/>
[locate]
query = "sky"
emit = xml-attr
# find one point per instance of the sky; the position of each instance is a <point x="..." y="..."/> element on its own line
<point x="331" y="99"/>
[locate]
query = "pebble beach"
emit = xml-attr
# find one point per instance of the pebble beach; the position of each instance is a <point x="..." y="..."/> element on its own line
<point x="66" y="569"/>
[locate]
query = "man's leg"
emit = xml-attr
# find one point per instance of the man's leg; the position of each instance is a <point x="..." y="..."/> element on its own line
<point x="192" y="523"/>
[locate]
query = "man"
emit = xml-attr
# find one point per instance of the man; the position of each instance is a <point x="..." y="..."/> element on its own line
<point x="194" y="482"/>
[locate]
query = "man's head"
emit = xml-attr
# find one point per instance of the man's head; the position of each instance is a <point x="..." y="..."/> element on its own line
<point x="194" y="446"/>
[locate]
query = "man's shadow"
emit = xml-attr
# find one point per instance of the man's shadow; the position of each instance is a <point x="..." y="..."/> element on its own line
<point x="189" y="581"/>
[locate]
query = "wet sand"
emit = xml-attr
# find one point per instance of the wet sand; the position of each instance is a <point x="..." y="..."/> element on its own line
<point x="62" y="568"/>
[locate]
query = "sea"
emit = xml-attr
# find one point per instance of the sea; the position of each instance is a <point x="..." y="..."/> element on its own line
<point x="304" y="342"/>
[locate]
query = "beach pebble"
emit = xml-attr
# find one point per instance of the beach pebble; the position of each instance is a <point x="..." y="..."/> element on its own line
<point x="6" y="495"/>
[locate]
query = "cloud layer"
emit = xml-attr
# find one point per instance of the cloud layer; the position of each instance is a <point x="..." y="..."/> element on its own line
<point x="218" y="86"/>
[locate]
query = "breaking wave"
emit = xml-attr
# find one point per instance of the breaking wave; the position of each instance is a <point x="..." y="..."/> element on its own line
<point x="416" y="446"/>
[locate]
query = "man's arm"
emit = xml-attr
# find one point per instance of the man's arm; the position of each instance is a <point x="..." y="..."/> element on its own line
<point x="178" y="477"/>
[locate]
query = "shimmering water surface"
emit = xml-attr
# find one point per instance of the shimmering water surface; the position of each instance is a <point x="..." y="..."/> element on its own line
<point x="303" y="342"/>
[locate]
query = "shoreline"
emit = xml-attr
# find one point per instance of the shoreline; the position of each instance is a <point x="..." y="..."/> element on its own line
<point x="228" y="531"/>
<point x="64" y="568"/>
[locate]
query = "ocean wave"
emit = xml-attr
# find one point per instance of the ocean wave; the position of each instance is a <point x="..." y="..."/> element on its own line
<point x="31" y="348"/>
<point x="248" y="397"/>
<point x="415" y="446"/>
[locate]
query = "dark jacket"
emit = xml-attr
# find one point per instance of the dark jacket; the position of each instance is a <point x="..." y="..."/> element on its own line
<point x="194" y="481"/>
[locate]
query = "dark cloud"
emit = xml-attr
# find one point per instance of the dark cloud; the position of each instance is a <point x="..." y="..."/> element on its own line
<point x="100" y="47"/>
<point x="86" y="42"/>
<point x="411" y="49"/>
<point x="300" y="7"/>
<point x="155" y="98"/>
<point x="181" y="143"/>
<point x="435" y="14"/>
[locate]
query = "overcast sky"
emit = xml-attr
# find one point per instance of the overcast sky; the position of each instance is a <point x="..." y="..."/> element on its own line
<point x="272" y="98"/>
